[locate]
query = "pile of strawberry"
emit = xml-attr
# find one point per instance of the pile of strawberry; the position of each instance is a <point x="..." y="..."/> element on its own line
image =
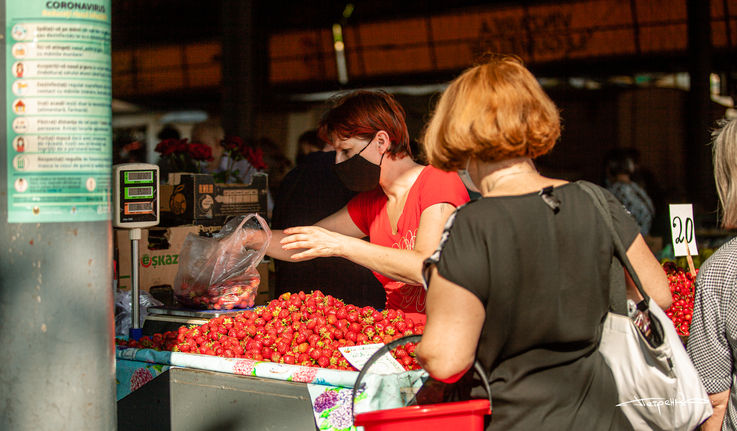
<point x="682" y="288"/>
<point x="298" y="328"/>
<point x="165" y="341"/>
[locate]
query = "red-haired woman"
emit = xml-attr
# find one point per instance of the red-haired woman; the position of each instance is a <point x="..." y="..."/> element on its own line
<point x="402" y="208"/>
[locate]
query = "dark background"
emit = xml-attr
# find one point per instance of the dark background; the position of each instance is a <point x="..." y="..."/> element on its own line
<point x="669" y="127"/>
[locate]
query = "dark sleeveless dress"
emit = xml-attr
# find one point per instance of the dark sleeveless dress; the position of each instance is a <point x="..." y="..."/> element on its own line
<point x="543" y="278"/>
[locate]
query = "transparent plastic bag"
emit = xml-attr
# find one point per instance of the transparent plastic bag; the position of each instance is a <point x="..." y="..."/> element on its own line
<point x="220" y="272"/>
<point x="124" y="312"/>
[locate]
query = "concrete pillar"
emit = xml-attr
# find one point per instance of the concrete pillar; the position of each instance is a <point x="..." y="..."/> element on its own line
<point x="57" y="362"/>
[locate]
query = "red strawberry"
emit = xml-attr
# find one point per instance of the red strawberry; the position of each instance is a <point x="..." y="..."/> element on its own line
<point x="323" y="361"/>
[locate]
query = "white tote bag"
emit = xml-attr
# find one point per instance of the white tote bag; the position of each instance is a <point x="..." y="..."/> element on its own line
<point x="658" y="386"/>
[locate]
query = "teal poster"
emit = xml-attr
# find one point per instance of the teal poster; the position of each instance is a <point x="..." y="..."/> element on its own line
<point x="58" y="105"/>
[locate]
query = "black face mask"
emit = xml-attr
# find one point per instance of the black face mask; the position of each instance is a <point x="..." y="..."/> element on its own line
<point x="357" y="173"/>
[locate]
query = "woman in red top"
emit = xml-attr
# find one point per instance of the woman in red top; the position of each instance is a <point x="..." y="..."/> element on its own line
<point x="402" y="208"/>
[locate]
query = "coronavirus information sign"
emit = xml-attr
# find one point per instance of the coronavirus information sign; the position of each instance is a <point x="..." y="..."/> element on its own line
<point x="58" y="108"/>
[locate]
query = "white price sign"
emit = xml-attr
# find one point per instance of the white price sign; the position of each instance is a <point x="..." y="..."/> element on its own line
<point x="359" y="355"/>
<point x="682" y="230"/>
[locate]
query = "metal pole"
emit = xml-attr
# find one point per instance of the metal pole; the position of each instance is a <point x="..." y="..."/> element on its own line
<point x="135" y="332"/>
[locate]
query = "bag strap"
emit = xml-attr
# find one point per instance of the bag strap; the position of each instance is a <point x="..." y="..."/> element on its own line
<point x="616" y="292"/>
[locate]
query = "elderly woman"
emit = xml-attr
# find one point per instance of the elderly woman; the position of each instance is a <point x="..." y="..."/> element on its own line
<point x="521" y="278"/>
<point x="402" y="206"/>
<point x="712" y="344"/>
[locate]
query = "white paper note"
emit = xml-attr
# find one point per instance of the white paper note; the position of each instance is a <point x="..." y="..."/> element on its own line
<point x="359" y="355"/>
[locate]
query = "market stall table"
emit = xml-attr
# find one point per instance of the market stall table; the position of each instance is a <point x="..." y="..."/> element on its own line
<point x="185" y="391"/>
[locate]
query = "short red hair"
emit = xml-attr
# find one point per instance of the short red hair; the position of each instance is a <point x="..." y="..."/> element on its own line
<point x="362" y="114"/>
<point x="491" y="112"/>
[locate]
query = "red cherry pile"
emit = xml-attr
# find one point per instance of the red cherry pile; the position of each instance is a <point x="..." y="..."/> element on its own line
<point x="297" y="328"/>
<point x="682" y="289"/>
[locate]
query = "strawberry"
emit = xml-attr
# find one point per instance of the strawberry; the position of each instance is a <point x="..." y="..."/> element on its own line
<point x="323" y="361"/>
<point x="314" y="353"/>
<point x="361" y="338"/>
<point x="401" y="326"/>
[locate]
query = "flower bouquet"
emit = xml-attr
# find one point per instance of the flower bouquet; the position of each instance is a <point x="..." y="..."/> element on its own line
<point x="239" y="159"/>
<point x="183" y="156"/>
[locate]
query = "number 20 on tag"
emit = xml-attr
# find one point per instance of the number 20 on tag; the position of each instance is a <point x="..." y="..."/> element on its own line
<point x="682" y="229"/>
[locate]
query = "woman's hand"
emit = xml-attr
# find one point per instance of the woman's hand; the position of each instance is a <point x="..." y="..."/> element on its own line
<point x="337" y="225"/>
<point x="315" y="241"/>
<point x="719" y="403"/>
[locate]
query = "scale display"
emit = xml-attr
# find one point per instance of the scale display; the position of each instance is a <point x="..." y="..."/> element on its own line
<point x="135" y="195"/>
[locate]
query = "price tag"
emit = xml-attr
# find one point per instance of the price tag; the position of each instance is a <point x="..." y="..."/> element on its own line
<point x="682" y="230"/>
<point x="359" y="355"/>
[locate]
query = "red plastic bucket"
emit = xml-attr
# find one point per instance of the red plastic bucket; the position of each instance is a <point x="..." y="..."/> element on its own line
<point x="453" y="416"/>
<point x="456" y="416"/>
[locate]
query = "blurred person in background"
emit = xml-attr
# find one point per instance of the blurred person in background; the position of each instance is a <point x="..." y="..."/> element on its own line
<point x="277" y="164"/>
<point x="310" y="192"/>
<point x="210" y="133"/>
<point x="401" y="206"/>
<point x="520" y="280"/>
<point x="712" y="343"/>
<point x="133" y="152"/>
<point x="621" y="167"/>
<point x="307" y="143"/>
<point x="168" y="132"/>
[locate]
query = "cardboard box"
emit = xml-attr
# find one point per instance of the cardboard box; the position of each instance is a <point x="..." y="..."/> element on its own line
<point x="198" y="199"/>
<point x="158" y="253"/>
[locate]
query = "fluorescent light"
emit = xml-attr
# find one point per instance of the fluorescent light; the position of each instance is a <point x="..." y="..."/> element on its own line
<point x="184" y="117"/>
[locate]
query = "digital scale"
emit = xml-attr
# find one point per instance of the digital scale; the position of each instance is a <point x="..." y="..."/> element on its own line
<point x="135" y="206"/>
